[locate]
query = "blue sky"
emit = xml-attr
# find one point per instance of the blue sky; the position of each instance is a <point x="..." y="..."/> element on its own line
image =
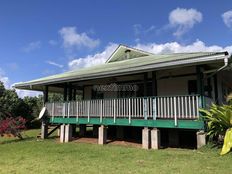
<point x="40" y="38"/>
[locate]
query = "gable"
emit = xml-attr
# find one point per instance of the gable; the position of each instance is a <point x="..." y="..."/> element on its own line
<point x="124" y="53"/>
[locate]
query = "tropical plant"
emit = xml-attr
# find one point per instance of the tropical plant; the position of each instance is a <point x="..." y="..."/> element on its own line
<point x="219" y="121"/>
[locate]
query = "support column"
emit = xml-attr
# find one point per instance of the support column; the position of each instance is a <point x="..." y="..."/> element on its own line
<point x="46" y="94"/>
<point x="200" y="84"/>
<point x="82" y="130"/>
<point x="102" y="135"/>
<point x="62" y="133"/>
<point x="95" y="130"/>
<point x="65" y="92"/>
<point x="146" y="138"/>
<point x="209" y="87"/>
<point x="68" y="133"/>
<point x="145" y="84"/>
<point x="44" y="125"/>
<point x="215" y="88"/>
<point x="120" y="132"/>
<point x="201" y="139"/>
<point x="70" y="91"/>
<point x="173" y="136"/>
<point x="155" y="138"/>
<point x="154" y="84"/>
<point x="44" y="130"/>
<point x="74" y="94"/>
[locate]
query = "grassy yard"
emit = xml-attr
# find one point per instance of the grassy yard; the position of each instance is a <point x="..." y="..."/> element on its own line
<point x="31" y="156"/>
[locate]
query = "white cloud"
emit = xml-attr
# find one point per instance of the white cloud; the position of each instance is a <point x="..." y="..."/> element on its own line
<point x="91" y="60"/>
<point x="183" y="20"/>
<point x="227" y="18"/>
<point x="73" y="39"/>
<point x="4" y="79"/>
<point x="32" y="46"/>
<point x="54" y="64"/>
<point x="169" y="47"/>
<point x="175" y="47"/>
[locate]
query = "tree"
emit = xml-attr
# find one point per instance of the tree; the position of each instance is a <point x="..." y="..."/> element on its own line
<point x="55" y="97"/>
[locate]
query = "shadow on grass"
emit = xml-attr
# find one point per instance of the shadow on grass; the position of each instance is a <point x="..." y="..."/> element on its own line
<point x="8" y="141"/>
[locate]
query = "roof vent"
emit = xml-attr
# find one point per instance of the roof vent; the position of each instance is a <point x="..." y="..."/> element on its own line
<point x="127" y="54"/>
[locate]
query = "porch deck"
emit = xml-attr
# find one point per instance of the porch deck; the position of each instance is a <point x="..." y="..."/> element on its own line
<point x="157" y="111"/>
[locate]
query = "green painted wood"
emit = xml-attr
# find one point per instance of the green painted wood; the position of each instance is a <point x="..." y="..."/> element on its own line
<point x="182" y="124"/>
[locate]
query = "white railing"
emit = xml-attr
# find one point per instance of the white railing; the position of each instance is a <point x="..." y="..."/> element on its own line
<point x="167" y="107"/>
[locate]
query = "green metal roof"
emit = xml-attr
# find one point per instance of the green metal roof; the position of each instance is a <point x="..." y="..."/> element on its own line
<point x="129" y="66"/>
<point x="120" y="53"/>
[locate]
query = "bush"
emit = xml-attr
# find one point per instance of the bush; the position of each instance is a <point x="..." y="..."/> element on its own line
<point x="219" y="121"/>
<point x="13" y="126"/>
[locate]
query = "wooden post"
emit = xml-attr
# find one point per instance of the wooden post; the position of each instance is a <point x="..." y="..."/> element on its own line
<point x="215" y="88"/>
<point x="46" y="94"/>
<point x="200" y="84"/>
<point x="209" y="88"/>
<point x="154" y="84"/>
<point x="65" y="91"/>
<point x="145" y="84"/>
<point x="74" y="94"/>
<point x="70" y="90"/>
<point x="44" y="125"/>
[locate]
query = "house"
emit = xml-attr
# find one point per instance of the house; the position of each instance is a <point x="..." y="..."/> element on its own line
<point x="134" y="88"/>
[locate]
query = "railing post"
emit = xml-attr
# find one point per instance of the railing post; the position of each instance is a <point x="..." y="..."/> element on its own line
<point x="175" y="114"/>
<point x="77" y="119"/>
<point x="101" y="111"/>
<point x="145" y="108"/>
<point x="154" y="108"/>
<point x="197" y="100"/>
<point x="129" y="110"/>
<point x="53" y="107"/>
<point x="64" y="108"/>
<point x="68" y="109"/>
<point x="114" y="111"/>
<point x="88" y="112"/>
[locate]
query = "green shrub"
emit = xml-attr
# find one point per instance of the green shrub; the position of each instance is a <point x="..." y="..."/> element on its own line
<point x="219" y="119"/>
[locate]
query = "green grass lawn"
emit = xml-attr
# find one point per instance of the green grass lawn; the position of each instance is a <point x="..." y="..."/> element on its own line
<point x="49" y="156"/>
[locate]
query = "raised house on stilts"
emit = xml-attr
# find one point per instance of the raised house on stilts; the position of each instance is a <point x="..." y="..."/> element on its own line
<point x="159" y="95"/>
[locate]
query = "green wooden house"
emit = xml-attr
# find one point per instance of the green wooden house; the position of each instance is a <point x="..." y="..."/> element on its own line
<point x="134" y="88"/>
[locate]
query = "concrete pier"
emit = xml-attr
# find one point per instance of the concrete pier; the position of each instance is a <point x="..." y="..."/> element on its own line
<point x="102" y="135"/>
<point x="201" y="139"/>
<point x="68" y="133"/>
<point x="62" y="133"/>
<point x="155" y="138"/>
<point x="146" y="138"/>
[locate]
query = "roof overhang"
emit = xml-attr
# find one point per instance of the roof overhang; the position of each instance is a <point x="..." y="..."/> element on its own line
<point x="39" y="84"/>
